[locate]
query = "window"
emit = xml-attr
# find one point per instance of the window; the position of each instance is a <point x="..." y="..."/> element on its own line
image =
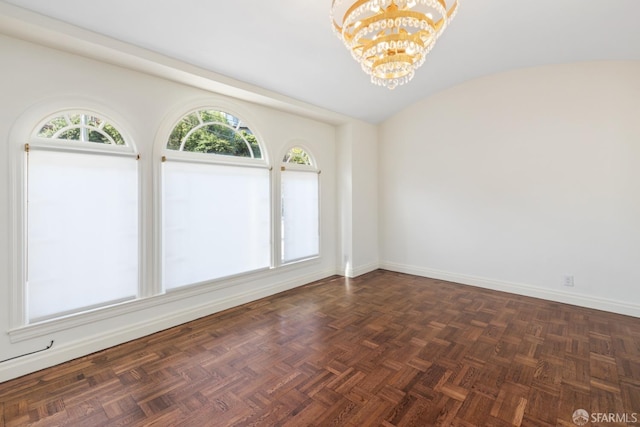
<point x="216" y="217"/>
<point x="217" y="132"/>
<point x="82" y="216"/>
<point x="299" y="206"/>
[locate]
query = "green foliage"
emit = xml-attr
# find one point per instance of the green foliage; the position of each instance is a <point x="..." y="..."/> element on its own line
<point x="113" y="133"/>
<point x="297" y="155"/>
<point x="70" y="128"/>
<point x="180" y="131"/>
<point x="53" y="126"/>
<point x="208" y="131"/>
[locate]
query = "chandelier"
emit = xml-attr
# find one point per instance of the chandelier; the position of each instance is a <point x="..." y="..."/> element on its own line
<point x="391" y="38"/>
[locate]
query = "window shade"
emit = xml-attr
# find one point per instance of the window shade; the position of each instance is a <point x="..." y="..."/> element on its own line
<point x="82" y="231"/>
<point x="216" y="221"/>
<point x="300" y="225"/>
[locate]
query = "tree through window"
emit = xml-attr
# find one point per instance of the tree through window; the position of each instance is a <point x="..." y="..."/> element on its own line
<point x="216" y="210"/>
<point x="81" y="127"/>
<point x="82" y="219"/>
<point x="214" y="132"/>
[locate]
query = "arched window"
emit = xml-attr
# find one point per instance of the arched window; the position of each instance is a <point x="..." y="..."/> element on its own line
<point x="81" y="127"/>
<point x="82" y="216"/>
<point x="214" y="132"/>
<point x="299" y="189"/>
<point x="297" y="156"/>
<point x="216" y="200"/>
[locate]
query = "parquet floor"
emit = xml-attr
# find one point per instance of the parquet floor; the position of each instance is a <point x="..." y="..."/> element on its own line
<point x="385" y="349"/>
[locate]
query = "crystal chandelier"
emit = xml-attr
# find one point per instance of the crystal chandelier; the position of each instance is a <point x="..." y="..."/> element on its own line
<point x="391" y="38"/>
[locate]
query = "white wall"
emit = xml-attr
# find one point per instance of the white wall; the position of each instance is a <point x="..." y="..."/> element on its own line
<point x="35" y="78"/>
<point x="513" y="181"/>
<point x="364" y="176"/>
<point x="358" y="198"/>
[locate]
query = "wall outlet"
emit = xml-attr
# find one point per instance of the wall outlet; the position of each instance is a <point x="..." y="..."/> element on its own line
<point x="568" y="281"/>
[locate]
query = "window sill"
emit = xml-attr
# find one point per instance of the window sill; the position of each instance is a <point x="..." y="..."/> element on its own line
<point x="48" y="327"/>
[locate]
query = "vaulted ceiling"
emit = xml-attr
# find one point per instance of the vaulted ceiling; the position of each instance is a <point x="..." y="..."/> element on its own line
<point x="288" y="46"/>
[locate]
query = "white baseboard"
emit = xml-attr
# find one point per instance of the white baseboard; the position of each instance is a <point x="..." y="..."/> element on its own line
<point x="352" y="272"/>
<point x="72" y="350"/>
<point x="609" y="305"/>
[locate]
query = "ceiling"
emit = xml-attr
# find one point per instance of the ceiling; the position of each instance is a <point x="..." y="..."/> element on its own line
<point x="288" y="46"/>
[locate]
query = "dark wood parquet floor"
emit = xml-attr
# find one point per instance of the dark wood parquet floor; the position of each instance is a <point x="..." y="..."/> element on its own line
<point x="385" y="349"/>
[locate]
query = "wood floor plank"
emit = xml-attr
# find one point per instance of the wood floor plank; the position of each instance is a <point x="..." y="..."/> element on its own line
<point x="384" y="349"/>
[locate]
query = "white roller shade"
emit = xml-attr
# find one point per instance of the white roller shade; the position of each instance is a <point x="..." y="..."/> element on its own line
<point x="216" y="221"/>
<point x="82" y="230"/>
<point x="300" y="226"/>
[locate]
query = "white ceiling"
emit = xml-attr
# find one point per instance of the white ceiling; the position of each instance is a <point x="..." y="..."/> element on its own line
<point x="288" y="47"/>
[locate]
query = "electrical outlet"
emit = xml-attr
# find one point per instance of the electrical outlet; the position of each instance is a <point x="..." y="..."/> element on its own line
<point x="568" y="281"/>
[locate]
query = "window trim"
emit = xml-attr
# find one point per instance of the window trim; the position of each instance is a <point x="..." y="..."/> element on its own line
<point x="190" y="157"/>
<point x="312" y="168"/>
<point x="66" y="115"/>
<point x="313" y="164"/>
<point x="72" y="146"/>
<point x="23" y="138"/>
<point x="167" y="155"/>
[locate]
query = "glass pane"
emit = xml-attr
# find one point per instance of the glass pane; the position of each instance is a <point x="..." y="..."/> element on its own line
<point x="53" y="126"/>
<point x="300" y="225"/>
<point x="298" y="156"/>
<point x="212" y="116"/>
<point x="114" y="134"/>
<point x="214" y="132"/>
<point x="218" y="139"/>
<point x="82" y="231"/>
<point x="81" y="127"/>
<point x="181" y="130"/>
<point x="100" y="138"/>
<point x="71" y="134"/>
<point x="216" y="222"/>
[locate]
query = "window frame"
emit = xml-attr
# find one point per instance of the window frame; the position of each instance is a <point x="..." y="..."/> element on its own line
<point x="309" y="168"/>
<point x="168" y="155"/>
<point x="36" y="141"/>
<point x="191" y="156"/>
<point x="25" y="139"/>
